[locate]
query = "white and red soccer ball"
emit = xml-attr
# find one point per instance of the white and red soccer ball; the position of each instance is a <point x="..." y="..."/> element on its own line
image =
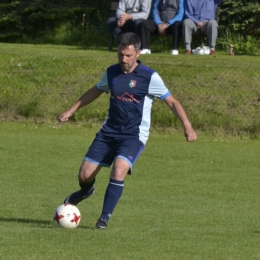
<point x="67" y="216"/>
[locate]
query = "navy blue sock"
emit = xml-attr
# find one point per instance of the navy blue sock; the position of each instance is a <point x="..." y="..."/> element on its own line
<point x="112" y="196"/>
<point x="85" y="187"/>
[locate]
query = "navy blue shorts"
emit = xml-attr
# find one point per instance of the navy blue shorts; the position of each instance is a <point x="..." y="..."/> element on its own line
<point x="105" y="149"/>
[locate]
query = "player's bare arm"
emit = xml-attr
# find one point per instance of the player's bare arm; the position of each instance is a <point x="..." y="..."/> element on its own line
<point x="88" y="97"/>
<point x="179" y="112"/>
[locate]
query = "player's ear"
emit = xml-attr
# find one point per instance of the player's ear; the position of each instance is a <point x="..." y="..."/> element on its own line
<point x="138" y="53"/>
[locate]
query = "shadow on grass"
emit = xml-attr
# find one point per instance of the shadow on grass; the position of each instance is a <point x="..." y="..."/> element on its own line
<point x="37" y="222"/>
<point x="26" y="221"/>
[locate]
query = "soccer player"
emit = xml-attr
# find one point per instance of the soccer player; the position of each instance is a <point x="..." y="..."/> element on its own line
<point x="122" y="138"/>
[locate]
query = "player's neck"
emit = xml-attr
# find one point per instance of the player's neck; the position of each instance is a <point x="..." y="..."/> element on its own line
<point x="131" y="69"/>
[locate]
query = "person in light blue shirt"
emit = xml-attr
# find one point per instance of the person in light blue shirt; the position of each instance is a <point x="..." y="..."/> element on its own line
<point x="167" y="18"/>
<point x="200" y="18"/>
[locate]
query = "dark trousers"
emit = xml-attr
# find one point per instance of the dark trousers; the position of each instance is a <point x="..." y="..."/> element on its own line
<point x="129" y="26"/>
<point x="148" y="26"/>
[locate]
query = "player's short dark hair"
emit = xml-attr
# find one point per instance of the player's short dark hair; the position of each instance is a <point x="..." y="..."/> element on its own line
<point x="130" y="38"/>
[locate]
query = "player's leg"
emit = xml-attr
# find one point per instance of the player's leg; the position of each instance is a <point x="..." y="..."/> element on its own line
<point x="127" y="154"/>
<point x="114" y="191"/>
<point x="86" y="177"/>
<point x="100" y="153"/>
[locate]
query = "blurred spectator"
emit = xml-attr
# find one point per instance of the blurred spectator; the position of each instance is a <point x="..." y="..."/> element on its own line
<point x="129" y="15"/>
<point x="167" y="18"/>
<point x="200" y="18"/>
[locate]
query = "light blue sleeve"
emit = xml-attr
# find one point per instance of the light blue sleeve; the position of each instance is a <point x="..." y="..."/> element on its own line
<point x="102" y="85"/>
<point x="155" y="12"/>
<point x="157" y="87"/>
<point x="121" y="8"/>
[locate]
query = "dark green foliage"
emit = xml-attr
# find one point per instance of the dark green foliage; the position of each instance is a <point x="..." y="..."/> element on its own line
<point x="10" y="22"/>
<point x="37" y="18"/>
<point x="241" y="16"/>
<point x="242" y="44"/>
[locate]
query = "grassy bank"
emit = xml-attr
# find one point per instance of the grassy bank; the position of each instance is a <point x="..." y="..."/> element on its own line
<point x="220" y="94"/>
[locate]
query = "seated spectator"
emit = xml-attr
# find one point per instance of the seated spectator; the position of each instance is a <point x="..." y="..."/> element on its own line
<point x="167" y="18"/>
<point x="200" y="18"/>
<point x="129" y="15"/>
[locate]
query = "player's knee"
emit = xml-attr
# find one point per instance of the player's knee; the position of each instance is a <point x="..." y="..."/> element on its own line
<point x="119" y="176"/>
<point x="84" y="175"/>
<point x="118" y="173"/>
<point x="88" y="171"/>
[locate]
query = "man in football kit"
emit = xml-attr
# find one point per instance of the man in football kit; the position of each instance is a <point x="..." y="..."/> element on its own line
<point x="122" y="137"/>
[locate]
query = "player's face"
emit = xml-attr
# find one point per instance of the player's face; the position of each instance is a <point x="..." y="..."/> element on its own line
<point x="127" y="58"/>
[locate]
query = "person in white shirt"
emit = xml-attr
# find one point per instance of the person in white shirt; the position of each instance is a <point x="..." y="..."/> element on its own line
<point x="129" y="15"/>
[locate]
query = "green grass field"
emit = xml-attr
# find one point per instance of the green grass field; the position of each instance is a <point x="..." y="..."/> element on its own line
<point x="184" y="200"/>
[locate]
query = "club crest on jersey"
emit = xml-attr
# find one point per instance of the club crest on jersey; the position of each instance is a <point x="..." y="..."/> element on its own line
<point x="132" y="84"/>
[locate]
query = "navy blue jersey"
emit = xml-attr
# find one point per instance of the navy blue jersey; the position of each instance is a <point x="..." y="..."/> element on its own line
<point x="131" y="100"/>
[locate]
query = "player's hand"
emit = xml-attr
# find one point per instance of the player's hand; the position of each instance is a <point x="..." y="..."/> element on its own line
<point x="64" y="117"/>
<point x="190" y="134"/>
